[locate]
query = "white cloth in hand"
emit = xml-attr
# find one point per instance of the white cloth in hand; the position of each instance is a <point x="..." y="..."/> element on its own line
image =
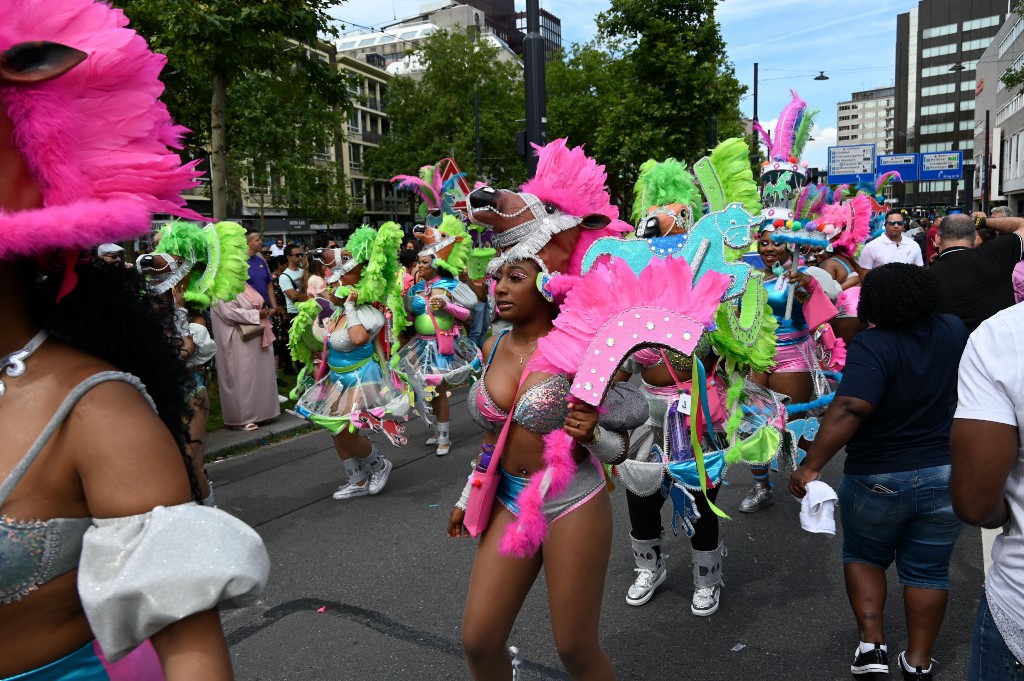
<point x="818" y="507"/>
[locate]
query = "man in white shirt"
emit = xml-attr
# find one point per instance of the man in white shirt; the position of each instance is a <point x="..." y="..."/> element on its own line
<point x="891" y="246"/>
<point x="277" y="248"/>
<point x="290" y="280"/>
<point x="987" y="484"/>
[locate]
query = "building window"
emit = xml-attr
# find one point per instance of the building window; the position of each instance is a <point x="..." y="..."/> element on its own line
<point x="936" y="128"/>
<point x="938" y="50"/>
<point x="355" y="157"/>
<point x="993" y="20"/>
<point x="1014" y="33"/>
<point x="358" y="193"/>
<point x="936" y="31"/>
<point x="943" y="70"/>
<point x="1010" y="108"/>
<point x="936" y="109"/>
<point x="979" y="44"/>
<point x="933" y="90"/>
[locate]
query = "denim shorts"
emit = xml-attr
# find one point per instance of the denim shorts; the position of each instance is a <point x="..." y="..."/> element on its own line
<point x="907" y="517"/>
<point x="991" y="659"/>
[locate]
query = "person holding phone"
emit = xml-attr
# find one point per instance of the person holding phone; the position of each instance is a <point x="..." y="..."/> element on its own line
<point x="893" y="412"/>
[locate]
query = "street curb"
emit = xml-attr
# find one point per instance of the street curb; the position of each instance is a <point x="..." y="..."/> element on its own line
<point x="227" y="439"/>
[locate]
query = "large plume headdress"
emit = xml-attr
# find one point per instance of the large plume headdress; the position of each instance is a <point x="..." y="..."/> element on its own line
<point x="567" y="191"/>
<point x="380" y="281"/>
<point x="94" y="138"/>
<point x="222" y="251"/>
<point x="783" y="175"/>
<point x="662" y="183"/>
<point x="449" y="244"/>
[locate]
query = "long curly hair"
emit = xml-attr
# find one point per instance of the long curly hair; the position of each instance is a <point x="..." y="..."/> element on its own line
<point x="898" y="295"/>
<point x="111" y="315"/>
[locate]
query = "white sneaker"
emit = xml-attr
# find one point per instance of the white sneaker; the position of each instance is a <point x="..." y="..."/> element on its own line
<point x="432" y="440"/>
<point x="705" y="600"/>
<point x="443" y="448"/>
<point x="380" y="478"/>
<point x="348" y="491"/>
<point x="645" y="584"/>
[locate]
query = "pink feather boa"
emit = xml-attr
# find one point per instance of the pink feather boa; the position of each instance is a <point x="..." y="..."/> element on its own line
<point x="590" y="301"/>
<point x="96" y="138"/>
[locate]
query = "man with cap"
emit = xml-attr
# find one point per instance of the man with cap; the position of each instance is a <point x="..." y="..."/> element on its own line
<point x="111" y="254"/>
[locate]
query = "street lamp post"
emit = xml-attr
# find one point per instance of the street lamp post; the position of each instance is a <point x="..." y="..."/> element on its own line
<point x="533" y="53"/>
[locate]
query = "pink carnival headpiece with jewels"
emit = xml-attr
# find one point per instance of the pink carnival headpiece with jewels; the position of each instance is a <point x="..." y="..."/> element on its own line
<point x="83" y="136"/>
<point x="556" y="216"/>
<point x="784" y="174"/>
<point x="847" y="224"/>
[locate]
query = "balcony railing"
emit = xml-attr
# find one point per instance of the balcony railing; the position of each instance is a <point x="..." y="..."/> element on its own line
<point x="371" y="137"/>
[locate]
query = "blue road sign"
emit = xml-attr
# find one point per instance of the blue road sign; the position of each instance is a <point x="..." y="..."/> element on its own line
<point x="852" y="164"/>
<point x="907" y="165"/>
<point x="942" y="165"/>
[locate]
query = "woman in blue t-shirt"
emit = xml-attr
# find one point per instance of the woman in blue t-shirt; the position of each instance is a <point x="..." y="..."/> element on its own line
<point x="893" y="411"/>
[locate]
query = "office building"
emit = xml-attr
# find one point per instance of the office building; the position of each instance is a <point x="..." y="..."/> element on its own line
<point x="550" y="31"/>
<point x="938" y="45"/>
<point x="867" y="118"/>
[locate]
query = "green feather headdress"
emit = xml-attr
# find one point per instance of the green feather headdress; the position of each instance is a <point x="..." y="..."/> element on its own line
<point x="662" y="183"/>
<point x="381" y="280"/>
<point x="458" y="257"/>
<point x="220" y="248"/>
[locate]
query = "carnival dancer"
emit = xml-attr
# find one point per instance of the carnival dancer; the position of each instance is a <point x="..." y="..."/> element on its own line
<point x="440" y="356"/>
<point x="790" y="294"/>
<point x="553" y="504"/>
<point x="97" y="502"/>
<point x="198" y="265"/>
<point x="357" y="390"/>
<point x="667" y="198"/>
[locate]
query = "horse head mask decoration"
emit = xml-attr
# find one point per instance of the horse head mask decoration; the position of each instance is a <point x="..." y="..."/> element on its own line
<point x="555" y="216"/>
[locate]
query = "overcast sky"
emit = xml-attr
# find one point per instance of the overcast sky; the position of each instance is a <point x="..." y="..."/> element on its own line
<point x="792" y="41"/>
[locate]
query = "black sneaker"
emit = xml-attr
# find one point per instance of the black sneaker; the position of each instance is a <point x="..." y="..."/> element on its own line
<point x="870" y="665"/>
<point x="918" y="674"/>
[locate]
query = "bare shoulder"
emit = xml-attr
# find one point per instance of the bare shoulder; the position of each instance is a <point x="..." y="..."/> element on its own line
<point x="488" y="346"/>
<point x="127" y="459"/>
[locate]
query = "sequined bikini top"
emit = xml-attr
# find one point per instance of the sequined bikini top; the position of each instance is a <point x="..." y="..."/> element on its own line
<point x="35" y="552"/>
<point x="540" y="409"/>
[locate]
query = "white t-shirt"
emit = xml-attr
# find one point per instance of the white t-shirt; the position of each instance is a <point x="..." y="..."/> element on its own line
<point x="286" y="281"/>
<point x="991" y="388"/>
<point x="883" y="250"/>
<point x="276" y="250"/>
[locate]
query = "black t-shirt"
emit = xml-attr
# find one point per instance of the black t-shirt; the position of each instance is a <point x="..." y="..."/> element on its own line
<point x="976" y="283"/>
<point x="909" y="375"/>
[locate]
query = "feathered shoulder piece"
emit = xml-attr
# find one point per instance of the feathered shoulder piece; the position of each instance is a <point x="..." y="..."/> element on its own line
<point x="664" y="182"/>
<point x="381" y="281"/>
<point x="94" y="137"/>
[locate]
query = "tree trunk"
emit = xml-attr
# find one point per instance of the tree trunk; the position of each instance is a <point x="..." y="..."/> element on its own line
<point x="218" y="144"/>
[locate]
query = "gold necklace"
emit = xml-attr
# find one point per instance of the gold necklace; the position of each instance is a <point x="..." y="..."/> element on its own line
<point x="521" y="355"/>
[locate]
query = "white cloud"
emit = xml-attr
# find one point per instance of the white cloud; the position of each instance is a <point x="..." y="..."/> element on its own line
<point x="816" y="152"/>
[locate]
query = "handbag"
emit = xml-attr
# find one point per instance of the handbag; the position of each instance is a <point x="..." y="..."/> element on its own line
<point x="484" y="483"/>
<point x="250" y="331"/>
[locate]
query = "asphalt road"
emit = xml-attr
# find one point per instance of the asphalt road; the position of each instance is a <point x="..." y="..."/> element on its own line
<point x="371" y="588"/>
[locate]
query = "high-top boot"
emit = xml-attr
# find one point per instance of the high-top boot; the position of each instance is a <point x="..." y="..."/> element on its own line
<point x="707" y="581"/>
<point x="444" y="442"/>
<point x="650" y="570"/>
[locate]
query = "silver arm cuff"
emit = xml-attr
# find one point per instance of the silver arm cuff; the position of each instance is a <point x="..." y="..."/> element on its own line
<point x="610" y="447"/>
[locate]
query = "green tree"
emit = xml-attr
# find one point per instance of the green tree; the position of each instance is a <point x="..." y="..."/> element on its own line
<point x="646" y="87"/>
<point x="432" y="118"/>
<point x="214" y="44"/>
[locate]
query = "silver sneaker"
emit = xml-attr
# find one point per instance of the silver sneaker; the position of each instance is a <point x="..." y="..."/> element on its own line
<point x="705" y="600"/>
<point x="645" y="584"/>
<point x="759" y="497"/>
<point x="379" y="478"/>
<point x="348" y="491"/>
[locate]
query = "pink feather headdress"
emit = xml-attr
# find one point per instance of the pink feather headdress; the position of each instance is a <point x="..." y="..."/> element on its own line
<point x="608" y="314"/>
<point x="575" y="184"/>
<point x="852" y="220"/>
<point x="784" y="144"/>
<point x="427" y="186"/>
<point x="96" y="138"/>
